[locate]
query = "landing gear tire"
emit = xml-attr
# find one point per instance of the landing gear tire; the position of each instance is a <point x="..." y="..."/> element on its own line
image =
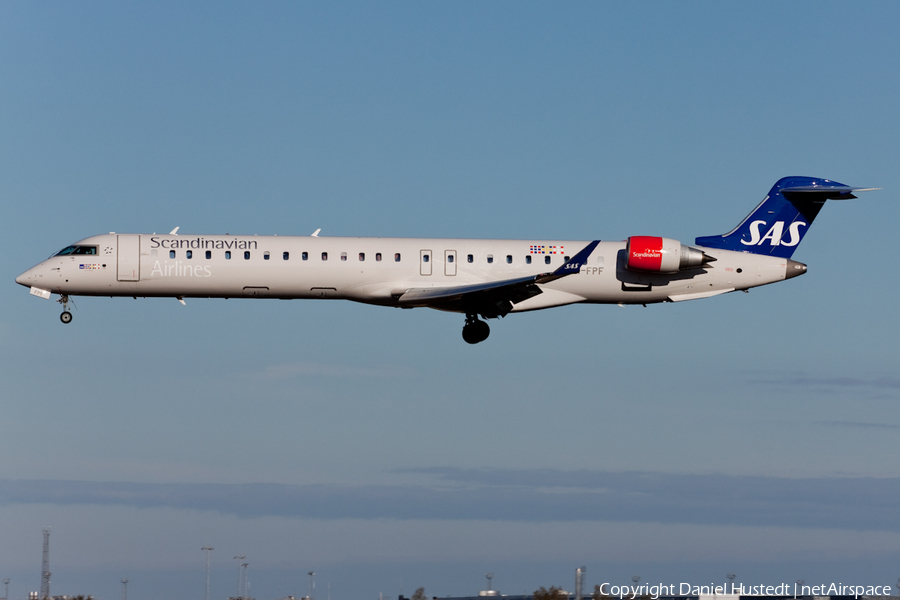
<point x="66" y="317"/>
<point x="475" y="331"/>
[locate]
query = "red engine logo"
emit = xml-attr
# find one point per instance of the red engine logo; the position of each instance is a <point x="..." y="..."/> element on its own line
<point x="645" y="253"/>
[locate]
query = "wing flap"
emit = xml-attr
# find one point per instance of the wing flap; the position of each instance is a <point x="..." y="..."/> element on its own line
<point x="425" y="296"/>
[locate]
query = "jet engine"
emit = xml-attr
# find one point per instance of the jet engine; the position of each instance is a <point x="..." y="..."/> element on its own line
<point x="662" y="255"/>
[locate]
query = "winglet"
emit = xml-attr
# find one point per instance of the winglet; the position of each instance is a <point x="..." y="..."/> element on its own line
<point x="573" y="265"/>
<point x="316" y="232"/>
<point x="175" y="231"/>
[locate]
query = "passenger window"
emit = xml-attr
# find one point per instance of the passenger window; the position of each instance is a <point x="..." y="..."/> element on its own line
<point x="171" y="254"/>
<point x="285" y="255"/>
<point x="228" y="255"/>
<point x="189" y="254"/>
<point x="324" y="256"/>
<point x="208" y="254"/>
<point x="397" y="257"/>
<point x="528" y="259"/>
<point x="425" y="258"/>
<point x="362" y="256"/>
<point x="265" y="256"/>
<point x="304" y="256"/>
<point x="509" y="259"/>
<point x="490" y="258"/>
<point x="247" y="255"/>
<point x="470" y="258"/>
<point x="449" y="258"/>
<point x="343" y="256"/>
<point x="378" y="257"/>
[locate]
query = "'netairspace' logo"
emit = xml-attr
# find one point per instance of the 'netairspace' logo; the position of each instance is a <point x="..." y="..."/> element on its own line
<point x="739" y="589"/>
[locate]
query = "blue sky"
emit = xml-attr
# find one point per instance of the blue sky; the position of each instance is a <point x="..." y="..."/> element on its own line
<point x="750" y="433"/>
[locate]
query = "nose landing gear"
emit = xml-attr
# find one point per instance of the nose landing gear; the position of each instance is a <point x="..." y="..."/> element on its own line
<point x="474" y="330"/>
<point x="66" y="316"/>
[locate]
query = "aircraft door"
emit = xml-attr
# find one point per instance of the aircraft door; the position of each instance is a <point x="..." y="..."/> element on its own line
<point x="449" y="262"/>
<point x="128" y="264"/>
<point x="425" y="262"/>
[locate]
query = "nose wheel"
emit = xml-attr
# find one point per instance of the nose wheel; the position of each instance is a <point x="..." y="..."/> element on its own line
<point x="474" y="330"/>
<point x="66" y="316"/>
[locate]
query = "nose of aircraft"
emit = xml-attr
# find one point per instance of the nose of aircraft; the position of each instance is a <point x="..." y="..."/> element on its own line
<point x="27" y="278"/>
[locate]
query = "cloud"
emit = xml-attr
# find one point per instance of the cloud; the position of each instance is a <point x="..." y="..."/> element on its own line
<point x="860" y="425"/>
<point x="515" y="495"/>
<point x="833" y="383"/>
<point x="290" y="370"/>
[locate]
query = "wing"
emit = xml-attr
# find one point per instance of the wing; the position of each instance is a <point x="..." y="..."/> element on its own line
<point x="490" y="299"/>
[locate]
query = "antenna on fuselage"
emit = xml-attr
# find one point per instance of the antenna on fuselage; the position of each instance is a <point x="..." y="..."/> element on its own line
<point x="316" y="232"/>
<point x="174" y="231"/>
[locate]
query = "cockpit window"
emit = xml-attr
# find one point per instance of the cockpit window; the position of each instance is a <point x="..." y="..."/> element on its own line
<point x="80" y="250"/>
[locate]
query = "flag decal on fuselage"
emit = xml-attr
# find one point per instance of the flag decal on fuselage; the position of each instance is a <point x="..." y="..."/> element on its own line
<point x="536" y="249"/>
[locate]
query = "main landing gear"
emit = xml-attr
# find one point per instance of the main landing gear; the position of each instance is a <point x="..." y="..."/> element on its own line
<point x="474" y="330"/>
<point x="66" y="316"/>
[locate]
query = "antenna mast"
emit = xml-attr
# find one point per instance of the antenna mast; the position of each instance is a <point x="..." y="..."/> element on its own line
<point x="45" y="566"/>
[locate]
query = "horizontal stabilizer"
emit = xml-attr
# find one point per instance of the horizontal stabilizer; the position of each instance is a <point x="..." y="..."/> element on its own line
<point x="698" y="295"/>
<point x="826" y="192"/>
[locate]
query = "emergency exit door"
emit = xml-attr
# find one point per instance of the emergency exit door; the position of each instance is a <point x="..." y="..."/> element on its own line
<point x="449" y="262"/>
<point x="425" y="262"/>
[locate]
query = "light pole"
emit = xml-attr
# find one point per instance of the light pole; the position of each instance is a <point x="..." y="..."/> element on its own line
<point x="124" y="588"/>
<point x="635" y="579"/>
<point x="207" y="549"/>
<point x="240" y="574"/>
<point x="6" y="591"/>
<point x="244" y="593"/>
<point x="730" y="577"/>
<point x="312" y="584"/>
<point x="579" y="582"/>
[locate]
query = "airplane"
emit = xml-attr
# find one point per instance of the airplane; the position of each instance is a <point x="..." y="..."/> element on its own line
<point x="476" y="277"/>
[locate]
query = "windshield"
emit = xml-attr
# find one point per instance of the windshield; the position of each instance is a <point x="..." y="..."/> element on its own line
<point x="77" y="250"/>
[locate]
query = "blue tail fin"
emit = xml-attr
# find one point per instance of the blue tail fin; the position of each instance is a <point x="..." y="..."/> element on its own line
<point x="778" y="224"/>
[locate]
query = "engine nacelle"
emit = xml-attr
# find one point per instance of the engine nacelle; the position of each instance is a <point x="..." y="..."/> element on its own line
<point x="662" y="255"/>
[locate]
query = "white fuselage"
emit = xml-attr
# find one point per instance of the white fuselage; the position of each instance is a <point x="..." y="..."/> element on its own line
<point x="377" y="270"/>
